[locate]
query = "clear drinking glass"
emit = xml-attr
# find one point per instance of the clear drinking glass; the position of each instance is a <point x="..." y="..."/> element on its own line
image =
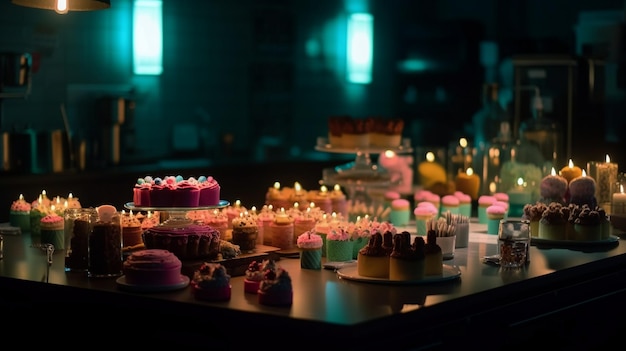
<point x="513" y="242"/>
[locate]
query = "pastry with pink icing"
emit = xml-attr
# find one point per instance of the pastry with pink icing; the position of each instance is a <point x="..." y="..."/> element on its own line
<point x="19" y="215"/>
<point x="484" y="201"/>
<point x="494" y="214"/>
<point x="450" y="203"/>
<point x="210" y="191"/>
<point x="310" y="245"/>
<point x="52" y="231"/>
<point x="153" y="267"/>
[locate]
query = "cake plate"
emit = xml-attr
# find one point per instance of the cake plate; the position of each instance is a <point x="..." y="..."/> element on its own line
<point x="177" y="215"/>
<point x="360" y="175"/>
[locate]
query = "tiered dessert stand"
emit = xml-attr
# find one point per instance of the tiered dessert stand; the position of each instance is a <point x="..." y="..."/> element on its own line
<point x="361" y="178"/>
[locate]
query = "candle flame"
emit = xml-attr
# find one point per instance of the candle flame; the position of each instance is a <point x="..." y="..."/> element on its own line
<point x="430" y="156"/>
<point x="70" y="196"/>
<point x="520" y="181"/>
<point x="337" y="187"/>
<point x="584" y="173"/>
<point x="324" y="189"/>
<point x="608" y="159"/>
<point x="469" y="171"/>
<point x="571" y="163"/>
<point x="297" y="187"/>
<point x="238" y="203"/>
<point x="276" y="185"/>
<point x="553" y="172"/>
<point x="21" y="196"/>
<point x="463" y="142"/>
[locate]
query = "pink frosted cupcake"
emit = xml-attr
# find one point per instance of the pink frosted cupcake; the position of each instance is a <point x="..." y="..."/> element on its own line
<point x="484" y="201"/>
<point x="465" y="203"/>
<point x="494" y="214"/>
<point x="424" y="212"/>
<point x="253" y="277"/>
<point x="450" y="203"/>
<point x="19" y="215"/>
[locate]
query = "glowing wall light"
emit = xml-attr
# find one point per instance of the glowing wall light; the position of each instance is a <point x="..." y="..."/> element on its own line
<point x="360" y="49"/>
<point x="148" y="37"/>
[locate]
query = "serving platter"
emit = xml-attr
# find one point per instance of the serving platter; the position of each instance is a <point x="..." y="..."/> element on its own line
<point x="349" y="272"/>
<point x="123" y="285"/>
<point x="570" y="243"/>
<point x="131" y="206"/>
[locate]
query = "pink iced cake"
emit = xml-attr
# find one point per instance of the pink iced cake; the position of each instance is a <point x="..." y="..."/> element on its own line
<point x="209" y="191"/>
<point x="152" y="267"/>
<point x="188" y="242"/>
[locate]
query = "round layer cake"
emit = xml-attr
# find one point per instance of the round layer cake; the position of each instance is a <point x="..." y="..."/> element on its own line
<point x="188" y="242"/>
<point x="152" y="267"/>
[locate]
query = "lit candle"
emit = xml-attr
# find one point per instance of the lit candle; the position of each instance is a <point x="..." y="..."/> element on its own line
<point x="582" y="190"/>
<point x="570" y="171"/>
<point x="605" y="175"/>
<point x="553" y="188"/>
<point x="519" y="196"/>
<point x="619" y="202"/>
<point x="431" y="172"/>
<point x="468" y="183"/>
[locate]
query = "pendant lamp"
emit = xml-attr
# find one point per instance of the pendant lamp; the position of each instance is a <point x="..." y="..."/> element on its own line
<point x="63" y="6"/>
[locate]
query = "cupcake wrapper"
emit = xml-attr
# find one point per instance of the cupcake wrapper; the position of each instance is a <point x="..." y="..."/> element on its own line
<point x="311" y="258"/>
<point x="338" y="251"/>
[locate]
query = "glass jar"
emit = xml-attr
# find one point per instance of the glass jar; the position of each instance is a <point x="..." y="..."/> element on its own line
<point x="78" y="223"/>
<point x="105" y="244"/>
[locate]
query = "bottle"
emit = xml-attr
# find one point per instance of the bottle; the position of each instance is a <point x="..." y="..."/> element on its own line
<point x="544" y="136"/>
<point x="489" y="119"/>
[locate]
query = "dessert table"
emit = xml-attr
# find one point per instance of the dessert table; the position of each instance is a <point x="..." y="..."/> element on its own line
<point x="565" y="293"/>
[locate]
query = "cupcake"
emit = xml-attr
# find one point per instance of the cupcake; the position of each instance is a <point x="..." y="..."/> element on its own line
<point x="424" y="212"/>
<point x="400" y="212"/>
<point x="310" y="245"/>
<point x="245" y="231"/>
<point x="211" y="282"/>
<point x="494" y="214"/>
<point x="484" y="201"/>
<point x="465" y="203"/>
<point x="19" y="215"/>
<point x="552" y="225"/>
<point x="450" y="203"/>
<point x="253" y="277"/>
<point x="339" y="245"/>
<point x="276" y="288"/>
<point x="52" y="231"/>
<point x="131" y="231"/>
<point x="533" y="213"/>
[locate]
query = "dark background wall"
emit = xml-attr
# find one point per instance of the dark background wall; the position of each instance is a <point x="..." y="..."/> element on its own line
<point x="239" y="74"/>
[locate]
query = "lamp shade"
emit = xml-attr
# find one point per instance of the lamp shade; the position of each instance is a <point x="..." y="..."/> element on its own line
<point x="73" y="5"/>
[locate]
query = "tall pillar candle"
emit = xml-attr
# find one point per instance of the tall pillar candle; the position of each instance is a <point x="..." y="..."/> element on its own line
<point x="605" y="175"/>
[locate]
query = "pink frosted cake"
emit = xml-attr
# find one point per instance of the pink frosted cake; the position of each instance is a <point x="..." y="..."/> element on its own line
<point x="187" y="193"/>
<point x="190" y="242"/>
<point x="153" y="267"/>
<point x="171" y="191"/>
<point x="211" y="282"/>
<point x="141" y="191"/>
<point x="162" y="192"/>
<point x="209" y="191"/>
